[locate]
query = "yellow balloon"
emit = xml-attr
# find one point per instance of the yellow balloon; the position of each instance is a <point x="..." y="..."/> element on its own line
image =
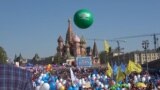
<point x="62" y="88"/>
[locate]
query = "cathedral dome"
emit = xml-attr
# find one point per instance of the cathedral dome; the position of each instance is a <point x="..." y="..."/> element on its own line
<point x="60" y="39"/>
<point x="82" y="41"/>
<point x="76" y="39"/>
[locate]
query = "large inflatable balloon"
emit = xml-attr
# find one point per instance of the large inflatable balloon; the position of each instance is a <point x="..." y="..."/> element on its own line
<point x="83" y="18"/>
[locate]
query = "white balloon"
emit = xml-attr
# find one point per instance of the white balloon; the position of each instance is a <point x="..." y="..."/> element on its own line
<point x="59" y="85"/>
<point x="42" y="74"/>
<point x="64" y="82"/>
<point x="143" y="79"/>
<point x="37" y="88"/>
<point x="106" y="86"/>
<point x="139" y="76"/>
<point x="102" y="85"/>
<point x="89" y="76"/>
<point x="101" y="77"/>
<point x="41" y="82"/>
<point x="40" y="78"/>
<point x="83" y="81"/>
<point x="148" y="77"/>
<point x="45" y="86"/>
<point x="57" y="81"/>
<point x="61" y="80"/>
<point x="93" y="75"/>
<point x="135" y="78"/>
<point x="129" y="85"/>
<point x="98" y="76"/>
<point x="34" y="84"/>
<point x="105" y="77"/>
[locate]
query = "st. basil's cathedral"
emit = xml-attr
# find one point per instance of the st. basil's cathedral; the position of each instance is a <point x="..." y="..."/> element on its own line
<point x="74" y="46"/>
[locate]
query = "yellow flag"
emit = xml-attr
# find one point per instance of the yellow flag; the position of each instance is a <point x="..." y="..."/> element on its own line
<point x="109" y="70"/>
<point x="106" y="46"/>
<point x="120" y="75"/>
<point x="133" y="67"/>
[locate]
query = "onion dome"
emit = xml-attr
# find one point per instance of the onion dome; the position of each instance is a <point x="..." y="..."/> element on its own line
<point x="82" y="41"/>
<point x="60" y="39"/>
<point x="76" y="38"/>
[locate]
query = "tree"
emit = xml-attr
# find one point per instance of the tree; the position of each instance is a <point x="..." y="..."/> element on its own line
<point x="15" y="58"/>
<point x="36" y="58"/>
<point x="3" y="55"/>
<point x="58" y="59"/>
<point x="102" y="56"/>
<point x="158" y="49"/>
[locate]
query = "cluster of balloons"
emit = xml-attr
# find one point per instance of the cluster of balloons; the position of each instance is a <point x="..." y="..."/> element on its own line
<point x="83" y="18"/>
<point x="48" y="82"/>
<point x="139" y="78"/>
<point x="119" y="86"/>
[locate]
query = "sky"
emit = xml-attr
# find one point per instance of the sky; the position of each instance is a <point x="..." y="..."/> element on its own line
<point x="33" y="26"/>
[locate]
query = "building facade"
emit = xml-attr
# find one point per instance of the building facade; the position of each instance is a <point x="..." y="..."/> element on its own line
<point x="140" y="57"/>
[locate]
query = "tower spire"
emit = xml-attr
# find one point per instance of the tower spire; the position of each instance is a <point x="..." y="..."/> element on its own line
<point x="69" y="34"/>
<point x="95" y="50"/>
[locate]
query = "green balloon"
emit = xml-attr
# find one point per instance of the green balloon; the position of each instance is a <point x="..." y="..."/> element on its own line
<point x="83" y="18"/>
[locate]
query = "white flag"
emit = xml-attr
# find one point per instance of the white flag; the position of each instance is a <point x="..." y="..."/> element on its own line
<point x="73" y="77"/>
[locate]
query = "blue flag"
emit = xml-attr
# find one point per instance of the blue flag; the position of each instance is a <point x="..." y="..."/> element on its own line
<point x="123" y="67"/>
<point x="115" y="69"/>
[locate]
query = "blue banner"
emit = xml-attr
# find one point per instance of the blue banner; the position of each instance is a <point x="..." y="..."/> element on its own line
<point x="83" y="61"/>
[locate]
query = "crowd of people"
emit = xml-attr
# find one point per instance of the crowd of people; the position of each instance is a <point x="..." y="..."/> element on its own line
<point x="53" y="77"/>
<point x="60" y="78"/>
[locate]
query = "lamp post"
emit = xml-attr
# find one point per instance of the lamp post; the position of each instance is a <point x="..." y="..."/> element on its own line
<point x="145" y="45"/>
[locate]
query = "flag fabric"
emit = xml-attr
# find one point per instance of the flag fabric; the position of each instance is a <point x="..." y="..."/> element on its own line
<point x="123" y="67"/>
<point x="120" y="75"/>
<point x="115" y="69"/>
<point x="73" y="77"/>
<point x="106" y="46"/>
<point x="109" y="70"/>
<point x="133" y="67"/>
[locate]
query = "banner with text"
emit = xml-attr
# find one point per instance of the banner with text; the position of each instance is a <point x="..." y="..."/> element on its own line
<point x="83" y="61"/>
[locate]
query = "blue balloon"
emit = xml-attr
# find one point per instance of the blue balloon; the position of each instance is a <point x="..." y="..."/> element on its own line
<point x="98" y="88"/>
<point x="52" y="79"/>
<point x="75" y="88"/>
<point x="52" y="86"/>
<point x="118" y="88"/>
<point x="70" y="88"/>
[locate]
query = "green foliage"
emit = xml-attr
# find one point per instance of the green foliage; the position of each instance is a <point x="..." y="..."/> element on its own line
<point x="158" y="49"/>
<point x="104" y="57"/>
<point x="36" y="58"/>
<point x="48" y="60"/>
<point x="58" y="59"/>
<point x="3" y="55"/>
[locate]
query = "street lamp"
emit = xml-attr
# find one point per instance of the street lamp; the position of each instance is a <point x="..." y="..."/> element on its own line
<point x="145" y="45"/>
